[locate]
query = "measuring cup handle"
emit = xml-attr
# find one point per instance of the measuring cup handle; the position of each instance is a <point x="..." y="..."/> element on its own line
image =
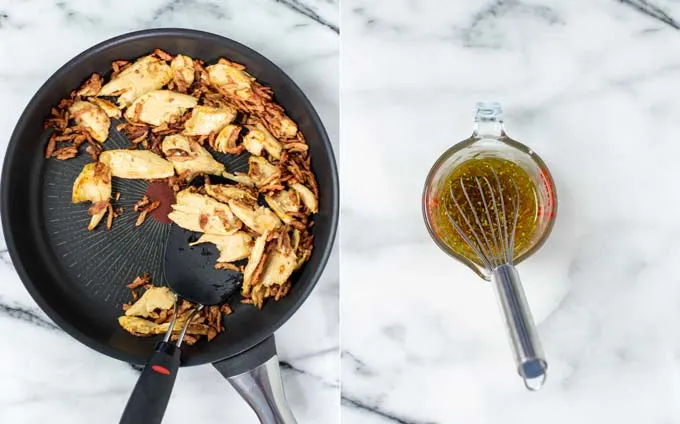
<point x="256" y="376"/>
<point x="531" y="363"/>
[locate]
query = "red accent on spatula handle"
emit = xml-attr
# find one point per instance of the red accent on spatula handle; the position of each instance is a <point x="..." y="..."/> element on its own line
<point x="150" y="397"/>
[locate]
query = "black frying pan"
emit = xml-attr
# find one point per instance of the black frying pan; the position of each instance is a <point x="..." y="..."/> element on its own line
<point x="78" y="277"/>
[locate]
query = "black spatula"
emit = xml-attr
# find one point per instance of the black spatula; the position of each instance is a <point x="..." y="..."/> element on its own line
<point x="190" y="273"/>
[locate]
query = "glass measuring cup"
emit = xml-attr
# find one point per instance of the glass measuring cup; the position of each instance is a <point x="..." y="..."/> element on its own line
<point x="489" y="140"/>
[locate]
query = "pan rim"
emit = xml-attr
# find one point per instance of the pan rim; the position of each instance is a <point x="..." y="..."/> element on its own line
<point x="23" y="122"/>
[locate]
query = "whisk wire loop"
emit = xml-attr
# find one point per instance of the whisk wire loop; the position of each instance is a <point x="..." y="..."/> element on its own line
<point x="504" y="228"/>
<point x="486" y="247"/>
<point x="476" y="247"/>
<point x="494" y="243"/>
<point x="493" y="246"/>
<point x="514" y="223"/>
<point x="470" y="243"/>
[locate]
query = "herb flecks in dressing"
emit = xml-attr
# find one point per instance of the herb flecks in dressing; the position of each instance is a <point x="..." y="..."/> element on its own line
<point x="481" y="179"/>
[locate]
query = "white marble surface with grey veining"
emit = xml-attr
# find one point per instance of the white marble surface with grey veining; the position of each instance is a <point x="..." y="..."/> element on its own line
<point x="48" y="376"/>
<point x="593" y="86"/>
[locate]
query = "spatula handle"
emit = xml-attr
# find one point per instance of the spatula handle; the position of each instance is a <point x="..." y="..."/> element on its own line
<point x="531" y="363"/>
<point x="149" y="399"/>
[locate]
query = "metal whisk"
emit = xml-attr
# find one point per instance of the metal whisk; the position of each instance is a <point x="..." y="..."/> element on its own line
<point x="495" y="249"/>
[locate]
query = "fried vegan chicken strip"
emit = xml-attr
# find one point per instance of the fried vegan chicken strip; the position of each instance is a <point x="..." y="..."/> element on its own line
<point x="226" y="139"/>
<point x="278" y="268"/>
<point x="187" y="156"/>
<point x="93" y="184"/>
<point x="232" y="79"/>
<point x="240" y="178"/>
<point x="91" y="117"/>
<point x="109" y="108"/>
<point x="262" y="172"/>
<point x="308" y="198"/>
<point x="232" y="247"/>
<point x="207" y="119"/>
<point x="146" y="74"/>
<point x="256" y="256"/>
<point x="197" y="212"/>
<point x="225" y="192"/>
<point x="182" y="72"/>
<point x="259" y="138"/>
<point x="282" y="203"/>
<point x="136" y="164"/>
<point x="138" y="326"/>
<point x="258" y="218"/>
<point x="159" y="107"/>
<point x="152" y="299"/>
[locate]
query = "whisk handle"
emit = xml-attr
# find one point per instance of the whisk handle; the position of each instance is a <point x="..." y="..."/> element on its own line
<point x="531" y="363"/>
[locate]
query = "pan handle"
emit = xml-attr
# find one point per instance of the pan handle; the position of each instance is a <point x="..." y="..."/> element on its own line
<point x="256" y="376"/>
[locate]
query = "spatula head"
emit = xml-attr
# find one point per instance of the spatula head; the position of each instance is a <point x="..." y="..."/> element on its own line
<point x="190" y="270"/>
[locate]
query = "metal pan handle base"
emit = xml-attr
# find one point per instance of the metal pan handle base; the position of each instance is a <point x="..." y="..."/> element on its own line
<point x="256" y="376"/>
<point x="263" y="390"/>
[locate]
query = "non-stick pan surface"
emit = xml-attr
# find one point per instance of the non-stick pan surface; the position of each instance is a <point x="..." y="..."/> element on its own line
<point x="78" y="277"/>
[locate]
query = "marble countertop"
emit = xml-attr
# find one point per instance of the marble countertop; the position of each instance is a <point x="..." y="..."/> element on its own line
<point x="48" y="376"/>
<point x="592" y="87"/>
